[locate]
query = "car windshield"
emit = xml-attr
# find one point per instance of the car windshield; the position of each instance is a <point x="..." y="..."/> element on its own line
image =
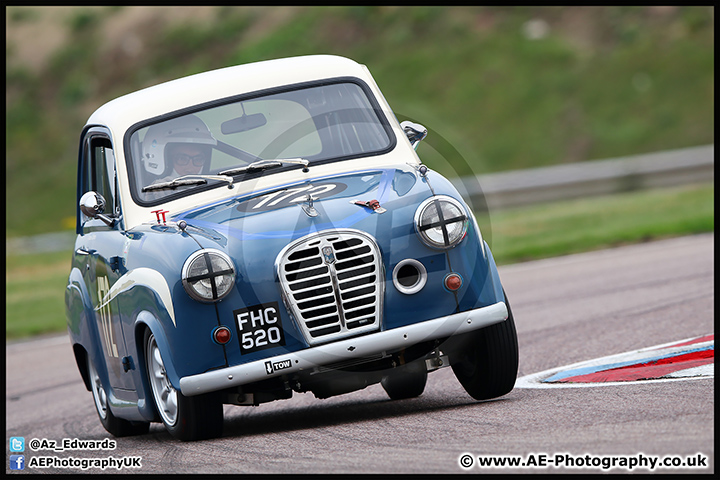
<point x="306" y="126"/>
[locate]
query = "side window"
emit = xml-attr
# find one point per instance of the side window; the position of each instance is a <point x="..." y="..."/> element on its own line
<point x="99" y="171"/>
<point x="103" y="162"/>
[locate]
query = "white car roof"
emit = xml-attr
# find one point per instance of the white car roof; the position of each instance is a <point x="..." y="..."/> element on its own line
<point x="125" y="111"/>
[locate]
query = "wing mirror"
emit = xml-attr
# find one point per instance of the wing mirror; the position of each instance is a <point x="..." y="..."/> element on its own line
<point x="414" y="131"/>
<point x="92" y="204"/>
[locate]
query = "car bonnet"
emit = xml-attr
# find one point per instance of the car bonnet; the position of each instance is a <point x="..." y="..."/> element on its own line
<point x="287" y="212"/>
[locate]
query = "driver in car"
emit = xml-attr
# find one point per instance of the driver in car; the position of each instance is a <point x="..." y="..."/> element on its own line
<point x="187" y="159"/>
<point x="178" y="147"/>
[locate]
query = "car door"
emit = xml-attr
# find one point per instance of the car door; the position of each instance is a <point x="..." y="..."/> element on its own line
<point x="101" y="249"/>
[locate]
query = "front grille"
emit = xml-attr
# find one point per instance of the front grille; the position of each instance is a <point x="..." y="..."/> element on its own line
<point x="332" y="284"/>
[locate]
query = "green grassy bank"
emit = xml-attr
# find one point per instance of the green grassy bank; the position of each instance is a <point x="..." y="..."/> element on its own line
<point x="509" y="87"/>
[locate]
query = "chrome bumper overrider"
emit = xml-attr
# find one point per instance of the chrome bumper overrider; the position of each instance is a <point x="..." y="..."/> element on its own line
<point x="342" y="350"/>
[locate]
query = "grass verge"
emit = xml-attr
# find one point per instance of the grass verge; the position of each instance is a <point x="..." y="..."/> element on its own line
<point x="562" y="228"/>
<point x="35" y="293"/>
<point x="36" y="283"/>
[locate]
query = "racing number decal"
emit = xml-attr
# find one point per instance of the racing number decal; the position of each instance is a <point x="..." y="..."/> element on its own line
<point x="259" y="327"/>
<point x="281" y="195"/>
<point x="104" y="309"/>
<point x="290" y="196"/>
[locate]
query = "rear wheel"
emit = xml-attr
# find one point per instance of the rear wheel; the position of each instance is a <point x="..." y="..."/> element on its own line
<point x="487" y="363"/>
<point x="116" y="426"/>
<point x="186" y="418"/>
<point x="406" y="381"/>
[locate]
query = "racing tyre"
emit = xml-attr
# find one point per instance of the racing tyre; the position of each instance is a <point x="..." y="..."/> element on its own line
<point x="116" y="426"/>
<point x="487" y="364"/>
<point x="406" y="381"/>
<point x="186" y="418"/>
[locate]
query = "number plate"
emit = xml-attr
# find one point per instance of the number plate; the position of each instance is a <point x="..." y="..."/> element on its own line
<point x="259" y="327"/>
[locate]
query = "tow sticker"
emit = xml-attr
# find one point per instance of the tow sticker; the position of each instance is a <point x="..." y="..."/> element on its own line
<point x="271" y="367"/>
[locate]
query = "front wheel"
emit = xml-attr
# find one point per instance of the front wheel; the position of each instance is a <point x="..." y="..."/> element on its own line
<point x="186" y="418"/>
<point x="116" y="426"/>
<point x="487" y="363"/>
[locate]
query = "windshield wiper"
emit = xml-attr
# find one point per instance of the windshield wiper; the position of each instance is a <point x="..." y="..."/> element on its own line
<point x="266" y="164"/>
<point x="188" y="180"/>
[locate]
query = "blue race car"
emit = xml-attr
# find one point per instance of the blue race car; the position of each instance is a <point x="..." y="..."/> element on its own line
<point x="264" y="229"/>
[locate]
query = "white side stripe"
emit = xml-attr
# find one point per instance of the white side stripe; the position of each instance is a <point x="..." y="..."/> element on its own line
<point x="146" y="277"/>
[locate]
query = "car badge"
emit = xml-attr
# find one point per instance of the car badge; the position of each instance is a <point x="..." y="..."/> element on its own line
<point x="308" y="207"/>
<point x="328" y="254"/>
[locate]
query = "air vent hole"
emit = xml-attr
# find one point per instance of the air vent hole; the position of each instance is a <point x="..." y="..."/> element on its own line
<point x="408" y="275"/>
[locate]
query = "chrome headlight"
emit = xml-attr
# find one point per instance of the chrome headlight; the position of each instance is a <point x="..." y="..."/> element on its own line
<point x="441" y="222"/>
<point x="208" y="275"/>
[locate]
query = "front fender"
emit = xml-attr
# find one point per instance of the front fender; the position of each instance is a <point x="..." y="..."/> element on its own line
<point x="494" y="275"/>
<point x="148" y="320"/>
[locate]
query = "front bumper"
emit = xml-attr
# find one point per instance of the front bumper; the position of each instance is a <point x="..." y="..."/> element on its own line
<point x="343" y="350"/>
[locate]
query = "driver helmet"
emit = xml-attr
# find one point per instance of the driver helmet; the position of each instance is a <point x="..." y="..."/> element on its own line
<point x="186" y="129"/>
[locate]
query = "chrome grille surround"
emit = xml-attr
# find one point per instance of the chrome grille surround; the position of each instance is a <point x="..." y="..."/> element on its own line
<point x="332" y="284"/>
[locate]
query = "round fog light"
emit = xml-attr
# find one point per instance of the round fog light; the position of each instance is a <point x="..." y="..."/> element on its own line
<point x="222" y="335"/>
<point x="453" y="281"/>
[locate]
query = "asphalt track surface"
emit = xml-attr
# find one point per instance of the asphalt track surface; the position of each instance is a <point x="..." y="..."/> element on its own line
<point x="567" y="310"/>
